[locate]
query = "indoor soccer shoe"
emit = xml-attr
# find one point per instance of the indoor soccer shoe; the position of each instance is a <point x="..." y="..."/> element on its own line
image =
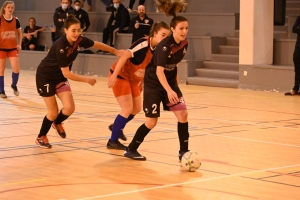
<point x="3" y="95"/>
<point x="122" y="136"/>
<point x="60" y="130"/>
<point x="181" y="154"/>
<point x="115" y="145"/>
<point x="291" y="93"/>
<point x="133" y="154"/>
<point x="15" y="89"/>
<point x="43" y="142"/>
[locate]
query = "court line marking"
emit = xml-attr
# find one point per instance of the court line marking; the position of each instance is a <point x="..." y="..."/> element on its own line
<point x="186" y="182"/>
<point x="203" y="133"/>
<point x="191" y="117"/>
<point x="21" y="182"/>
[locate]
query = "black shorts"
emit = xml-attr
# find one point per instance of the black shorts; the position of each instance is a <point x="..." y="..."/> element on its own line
<point x="152" y="99"/>
<point x="48" y="89"/>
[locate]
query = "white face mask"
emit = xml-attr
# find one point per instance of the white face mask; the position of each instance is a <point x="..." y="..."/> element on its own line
<point x="77" y="7"/>
<point x="64" y="6"/>
<point x="116" y="5"/>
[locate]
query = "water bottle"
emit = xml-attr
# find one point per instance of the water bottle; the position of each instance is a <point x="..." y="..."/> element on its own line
<point x="45" y="47"/>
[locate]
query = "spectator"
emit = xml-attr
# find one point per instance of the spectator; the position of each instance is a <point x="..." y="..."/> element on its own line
<point x="30" y="38"/>
<point x="81" y="15"/>
<point x="70" y="5"/>
<point x="60" y="15"/>
<point x="130" y="7"/>
<point x="296" y="59"/>
<point x="118" y="22"/>
<point x="140" y="25"/>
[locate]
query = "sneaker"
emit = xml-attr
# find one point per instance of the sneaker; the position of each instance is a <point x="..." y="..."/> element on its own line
<point x="291" y="93"/>
<point x="133" y="154"/>
<point x="43" y="142"/>
<point x="3" y="95"/>
<point x="115" y="145"/>
<point x="15" y="89"/>
<point x="181" y="153"/>
<point x="60" y="130"/>
<point x="99" y="51"/>
<point x="122" y="136"/>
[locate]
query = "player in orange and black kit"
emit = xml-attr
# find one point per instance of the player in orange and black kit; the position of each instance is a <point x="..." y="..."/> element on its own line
<point x="10" y="33"/>
<point x="126" y="80"/>
<point x="161" y="85"/>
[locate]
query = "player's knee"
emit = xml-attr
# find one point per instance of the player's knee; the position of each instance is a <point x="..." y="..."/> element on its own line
<point x="151" y="124"/>
<point x="52" y="115"/>
<point x="31" y="47"/>
<point x="68" y="110"/>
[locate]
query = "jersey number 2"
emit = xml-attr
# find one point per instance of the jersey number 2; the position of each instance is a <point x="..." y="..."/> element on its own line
<point x="154" y="106"/>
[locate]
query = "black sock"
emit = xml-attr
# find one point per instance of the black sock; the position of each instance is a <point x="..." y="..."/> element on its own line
<point x="139" y="136"/>
<point x="183" y="134"/>
<point x="60" y="118"/>
<point x="46" y="125"/>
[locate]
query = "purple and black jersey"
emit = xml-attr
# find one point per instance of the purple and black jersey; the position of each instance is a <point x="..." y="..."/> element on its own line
<point x="61" y="54"/>
<point x="167" y="54"/>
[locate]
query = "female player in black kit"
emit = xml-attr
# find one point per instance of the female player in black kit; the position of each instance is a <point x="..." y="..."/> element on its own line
<point x="53" y="73"/>
<point x="161" y="83"/>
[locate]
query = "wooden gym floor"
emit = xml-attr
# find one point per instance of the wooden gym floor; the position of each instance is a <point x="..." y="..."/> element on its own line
<point x="249" y="142"/>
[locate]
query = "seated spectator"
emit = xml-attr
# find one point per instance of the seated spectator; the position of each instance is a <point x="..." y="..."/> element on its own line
<point x="140" y="25"/>
<point x="131" y="3"/>
<point x="30" y="38"/>
<point x="118" y="22"/>
<point x="59" y="17"/>
<point x="81" y="15"/>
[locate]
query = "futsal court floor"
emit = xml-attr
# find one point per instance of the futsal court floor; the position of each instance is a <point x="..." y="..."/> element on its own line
<point x="249" y="143"/>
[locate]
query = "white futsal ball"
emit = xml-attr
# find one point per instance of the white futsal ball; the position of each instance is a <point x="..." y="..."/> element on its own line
<point x="190" y="161"/>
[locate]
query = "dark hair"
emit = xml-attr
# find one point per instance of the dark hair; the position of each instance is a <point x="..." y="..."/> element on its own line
<point x="33" y="20"/>
<point x="177" y="20"/>
<point x="157" y="26"/>
<point x="71" y="19"/>
<point x="170" y="7"/>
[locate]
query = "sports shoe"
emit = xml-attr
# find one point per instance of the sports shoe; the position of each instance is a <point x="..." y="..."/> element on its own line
<point x="43" y="142"/>
<point x="3" y="95"/>
<point x="133" y="154"/>
<point x="60" y="130"/>
<point x="15" y="89"/>
<point x="115" y="145"/>
<point x="122" y="136"/>
<point x="291" y="93"/>
<point x="181" y="153"/>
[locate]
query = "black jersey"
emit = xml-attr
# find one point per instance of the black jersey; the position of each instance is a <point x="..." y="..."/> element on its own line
<point x="167" y="54"/>
<point x="61" y="54"/>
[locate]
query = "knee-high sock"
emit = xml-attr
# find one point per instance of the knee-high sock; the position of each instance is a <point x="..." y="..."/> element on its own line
<point x="15" y="78"/>
<point x="183" y="134"/>
<point x="130" y="117"/>
<point x="119" y="124"/>
<point x="1" y="83"/>
<point x="46" y="125"/>
<point x="60" y="118"/>
<point x="139" y="137"/>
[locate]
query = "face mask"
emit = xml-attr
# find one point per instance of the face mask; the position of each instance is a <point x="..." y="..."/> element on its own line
<point x="64" y="6"/>
<point x="116" y="5"/>
<point x="77" y="7"/>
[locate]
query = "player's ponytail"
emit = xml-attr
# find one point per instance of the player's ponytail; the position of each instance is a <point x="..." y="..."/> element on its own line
<point x="170" y="7"/>
<point x="71" y="19"/>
